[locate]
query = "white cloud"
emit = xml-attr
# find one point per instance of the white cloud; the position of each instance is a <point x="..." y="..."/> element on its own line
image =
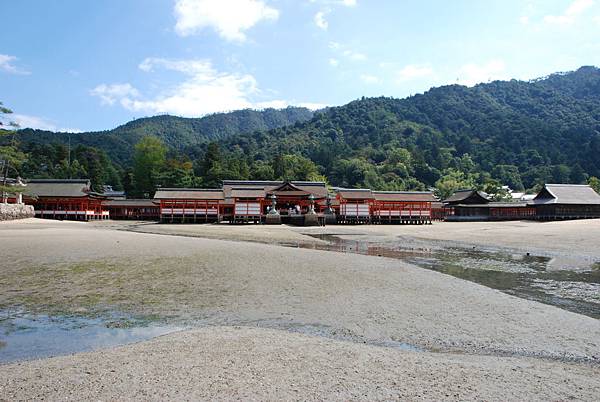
<point x="524" y="20"/>
<point x="414" y="71"/>
<point x="472" y="74"/>
<point x="346" y="52"/>
<point x="282" y="104"/>
<point x="27" y="121"/>
<point x="320" y="20"/>
<point x="356" y="56"/>
<point x="597" y="19"/>
<point x="334" y="62"/>
<point x="370" y="79"/>
<point x="347" y="3"/>
<point x="576" y="8"/>
<point x="109" y="94"/>
<point x="6" y="65"/>
<point x="312" y="105"/>
<point x="229" y="18"/>
<point x="202" y="91"/>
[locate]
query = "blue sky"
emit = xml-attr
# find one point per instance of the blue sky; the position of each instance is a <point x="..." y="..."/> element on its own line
<point x="93" y="65"/>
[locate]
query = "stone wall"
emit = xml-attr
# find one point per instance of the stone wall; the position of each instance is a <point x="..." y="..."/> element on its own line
<point x="15" y="211"/>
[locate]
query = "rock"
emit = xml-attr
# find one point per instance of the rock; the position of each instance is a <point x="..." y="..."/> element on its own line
<point x="15" y="211"/>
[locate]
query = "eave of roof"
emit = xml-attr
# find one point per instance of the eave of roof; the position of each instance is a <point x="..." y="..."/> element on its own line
<point x="400" y="196"/>
<point x="188" y="194"/>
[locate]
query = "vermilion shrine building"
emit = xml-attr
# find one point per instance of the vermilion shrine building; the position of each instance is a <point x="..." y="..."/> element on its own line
<point x="65" y="199"/>
<point x="302" y="203"/>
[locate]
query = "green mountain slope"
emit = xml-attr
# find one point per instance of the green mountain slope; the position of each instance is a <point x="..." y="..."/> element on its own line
<point x="177" y="132"/>
<point x="521" y="133"/>
<point x="505" y="132"/>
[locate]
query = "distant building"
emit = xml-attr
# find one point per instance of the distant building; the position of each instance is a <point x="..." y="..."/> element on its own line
<point x="113" y="194"/>
<point x="292" y="201"/>
<point x="553" y="202"/>
<point x="567" y="201"/>
<point x="65" y="199"/>
<point x="132" y="209"/>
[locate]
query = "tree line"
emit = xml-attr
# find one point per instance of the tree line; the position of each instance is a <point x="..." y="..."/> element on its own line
<point x="514" y="133"/>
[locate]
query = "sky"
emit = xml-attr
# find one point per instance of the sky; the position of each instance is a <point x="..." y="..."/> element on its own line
<point x="75" y="65"/>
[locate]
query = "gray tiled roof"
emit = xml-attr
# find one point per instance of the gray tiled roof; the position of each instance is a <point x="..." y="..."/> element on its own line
<point x="131" y="203"/>
<point x="416" y="196"/>
<point x="58" y="188"/>
<point x="567" y="194"/>
<point x="461" y="195"/>
<point x="355" y="193"/>
<point x="188" y="194"/>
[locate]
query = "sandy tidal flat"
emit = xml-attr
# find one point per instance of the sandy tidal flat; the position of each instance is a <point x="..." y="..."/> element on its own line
<point x="250" y="363"/>
<point x="312" y="324"/>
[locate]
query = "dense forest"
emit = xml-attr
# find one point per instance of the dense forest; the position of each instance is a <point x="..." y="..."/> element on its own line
<point x="178" y="133"/>
<point x="515" y="133"/>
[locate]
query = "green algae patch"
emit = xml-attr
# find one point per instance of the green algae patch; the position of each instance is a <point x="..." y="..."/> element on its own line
<point x="148" y="287"/>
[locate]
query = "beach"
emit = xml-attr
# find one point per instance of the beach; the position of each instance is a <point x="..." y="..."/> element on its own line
<point x="270" y="322"/>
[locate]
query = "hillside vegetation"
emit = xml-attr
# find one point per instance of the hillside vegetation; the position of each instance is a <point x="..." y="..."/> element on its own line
<point x="514" y="132"/>
<point x="176" y="132"/>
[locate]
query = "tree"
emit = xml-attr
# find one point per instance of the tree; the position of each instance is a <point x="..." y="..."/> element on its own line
<point x="148" y="163"/>
<point x="452" y="181"/>
<point x="496" y="192"/>
<point x="11" y="157"/>
<point x="594" y="183"/>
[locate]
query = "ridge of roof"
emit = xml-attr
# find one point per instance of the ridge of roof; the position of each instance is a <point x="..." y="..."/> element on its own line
<point x="188" y="189"/>
<point x="401" y="192"/>
<point x="61" y="181"/>
<point x="355" y="189"/>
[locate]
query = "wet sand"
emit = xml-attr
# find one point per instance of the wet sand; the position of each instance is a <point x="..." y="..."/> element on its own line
<point x="320" y="312"/>
<point x="241" y="363"/>
<point x="579" y="237"/>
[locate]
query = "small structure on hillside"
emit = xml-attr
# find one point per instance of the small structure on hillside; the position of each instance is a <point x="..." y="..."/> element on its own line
<point x="70" y="199"/>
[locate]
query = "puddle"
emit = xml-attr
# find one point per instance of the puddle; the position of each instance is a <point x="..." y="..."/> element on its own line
<point x="26" y="337"/>
<point x="567" y="282"/>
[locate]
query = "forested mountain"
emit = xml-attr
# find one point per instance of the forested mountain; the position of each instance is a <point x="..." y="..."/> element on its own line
<point x="520" y="133"/>
<point x="505" y="132"/>
<point x="176" y="132"/>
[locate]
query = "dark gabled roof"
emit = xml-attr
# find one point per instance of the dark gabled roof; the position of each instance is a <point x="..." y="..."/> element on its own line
<point x="404" y="196"/>
<point x="188" y="194"/>
<point x="131" y="203"/>
<point x="496" y="205"/>
<point x="355" y="193"/>
<point x="567" y="194"/>
<point x="250" y="192"/>
<point x="474" y="196"/>
<point x="319" y="189"/>
<point x="59" y="188"/>
<point x="300" y="188"/>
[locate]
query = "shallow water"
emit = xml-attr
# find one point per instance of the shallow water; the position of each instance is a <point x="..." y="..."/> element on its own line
<point x="567" y="282"/>
<point x="26" y="336"/>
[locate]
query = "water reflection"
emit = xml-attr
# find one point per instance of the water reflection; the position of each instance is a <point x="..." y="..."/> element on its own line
<point x="26" y="336"/>
<point x="567" y="282"/>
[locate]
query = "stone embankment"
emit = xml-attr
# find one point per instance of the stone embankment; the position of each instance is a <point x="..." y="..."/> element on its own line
<point x="15" y="211"/>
